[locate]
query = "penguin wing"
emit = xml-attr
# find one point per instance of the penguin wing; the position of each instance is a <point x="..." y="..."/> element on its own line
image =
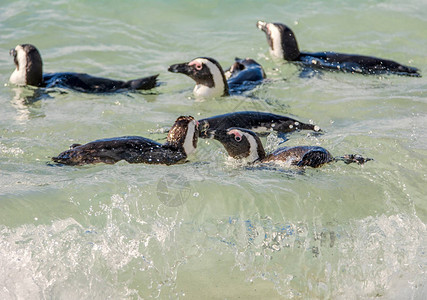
<point x="356" y="63"/>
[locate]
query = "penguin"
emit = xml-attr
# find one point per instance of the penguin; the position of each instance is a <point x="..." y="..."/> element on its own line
<point x="244" y="75"/>
<point x="244" y="145"/>
<point x="252" y="120"/>
<point x="212" y="81"/>
<point x="283" y="44"/>
<point x="29" y="71"/>
<point x="181" y="142"/>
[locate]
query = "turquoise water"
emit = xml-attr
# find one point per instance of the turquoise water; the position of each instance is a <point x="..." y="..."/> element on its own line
<point x="208" y="229"/>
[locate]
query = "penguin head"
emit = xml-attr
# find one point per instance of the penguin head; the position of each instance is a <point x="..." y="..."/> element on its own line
<point x="184" y="134"/>
<point x="208" y="75"/>
<point x="29" y="66"/>
<point x="241" y="144"/>
<point x="245" y="70"/>
<point x="281" y="40"/>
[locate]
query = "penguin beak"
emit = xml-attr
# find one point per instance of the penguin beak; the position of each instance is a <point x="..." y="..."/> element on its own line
<point x="221" y="136"/>
<point x="12" y="52"/>
<point x="262" y="25"/>
<point x="182" y="68"/>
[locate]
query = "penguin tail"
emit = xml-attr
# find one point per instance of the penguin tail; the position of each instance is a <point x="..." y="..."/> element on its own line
<point x="145" y="83"/>
<point x="408" y="71"/>
<point x="353" y="158"/>
<point x="304" y="126"/>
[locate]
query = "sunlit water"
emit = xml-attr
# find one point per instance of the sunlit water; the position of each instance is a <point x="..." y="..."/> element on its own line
<point x="208" y="229"/>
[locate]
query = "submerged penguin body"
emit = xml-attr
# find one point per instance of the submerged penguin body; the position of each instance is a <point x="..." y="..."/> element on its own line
<point x="29" y="71"/>
<point x="283" y="44"/>
<point x="244" y="145"/>
<point x="181" y="142"/>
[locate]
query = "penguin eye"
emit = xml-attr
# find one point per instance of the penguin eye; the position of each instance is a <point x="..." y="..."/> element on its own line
<point x="199" y="67"/>
<point x="237" y="138"/>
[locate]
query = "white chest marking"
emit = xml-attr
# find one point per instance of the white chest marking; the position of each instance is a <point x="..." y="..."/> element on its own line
<point x="188" y="142"/>
<point x="253" y="148"/>
<point x="276" y="37"/>
<point x="202" y="91"/>
<point x="18" y="76"/>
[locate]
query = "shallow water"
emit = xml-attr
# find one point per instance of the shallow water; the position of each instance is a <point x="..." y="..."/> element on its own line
<point x="207" y="228"/>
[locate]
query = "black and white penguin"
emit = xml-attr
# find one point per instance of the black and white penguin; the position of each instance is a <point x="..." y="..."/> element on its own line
<point x="181" y="142"/>
<point x="252" y="120"/>
<point x="212" y="81"/>
<point x="244" y="145"/>
<point x="29" y="71"/>
<point x="283" y="44"/>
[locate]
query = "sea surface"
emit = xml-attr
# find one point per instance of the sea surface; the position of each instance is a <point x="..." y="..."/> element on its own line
<point x="209" y="229"/>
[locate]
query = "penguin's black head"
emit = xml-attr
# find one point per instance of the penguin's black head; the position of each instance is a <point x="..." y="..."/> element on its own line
<point x="245" y="70"/>
<point x="208" y="75"/>
<point x="281" y="39"/>
<point x="241" y="144"/>
<point x="184" y="134"/>
<point x="29" y="66"/>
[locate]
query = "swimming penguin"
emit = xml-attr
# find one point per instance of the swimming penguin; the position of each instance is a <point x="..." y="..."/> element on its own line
<point x="211" y="81"/>
<point x="245" y="145"/>
<point x="244" y="75"/>
<point x="29" y="71"/>
<point x="181" y="142"/>
<point x="252" y="120"/>
<point x="283" y="44"/>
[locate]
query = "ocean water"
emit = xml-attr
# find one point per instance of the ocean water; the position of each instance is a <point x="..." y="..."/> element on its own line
<point x="208" y="229"/>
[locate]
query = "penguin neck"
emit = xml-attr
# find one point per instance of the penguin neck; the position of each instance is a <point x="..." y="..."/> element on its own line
<point x="258" y="154"/>
<point x="289" y="46"/>
<point x="204" y="91"/>
<point x="27" y="72"/>
<point x="256" y="149"/>
<point x="186" y="142"/>
<point x="34" y="74"/>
